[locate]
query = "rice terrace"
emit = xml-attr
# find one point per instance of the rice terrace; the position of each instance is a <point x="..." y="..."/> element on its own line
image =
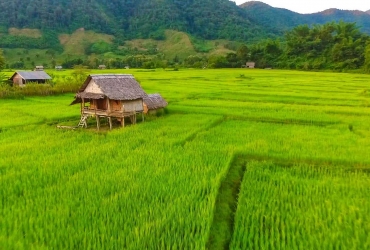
<point x="239" y="159"/>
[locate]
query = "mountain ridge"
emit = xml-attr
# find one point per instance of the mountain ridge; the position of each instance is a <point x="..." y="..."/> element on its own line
<point x="280" y="20"/>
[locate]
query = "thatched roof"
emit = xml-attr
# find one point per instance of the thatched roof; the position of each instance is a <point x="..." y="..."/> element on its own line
<point x="113" y="86"/>
<point x="155" y="101"/>
<point x="32" y="75"/>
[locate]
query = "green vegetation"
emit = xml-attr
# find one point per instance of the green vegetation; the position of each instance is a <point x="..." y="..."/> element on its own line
<point x="332" y="46"/>
<point x="302" y="136"/>
<point x="295" y="208"/>
<point x="2" y="60"/>
<point x="134" y="19"/>
<point x="276" y="21"/>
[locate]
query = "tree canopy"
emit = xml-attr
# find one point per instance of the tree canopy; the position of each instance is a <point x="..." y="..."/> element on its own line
<point x="208" y="19"/>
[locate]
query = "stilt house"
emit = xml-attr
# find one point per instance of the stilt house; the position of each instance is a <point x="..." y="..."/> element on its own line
<point x="21" y="78"/>
<point x="111" y="96"/>
<point x="154" y="102"/>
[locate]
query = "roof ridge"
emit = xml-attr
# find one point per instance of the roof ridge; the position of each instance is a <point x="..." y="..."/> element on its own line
<point x="92" y="75"/>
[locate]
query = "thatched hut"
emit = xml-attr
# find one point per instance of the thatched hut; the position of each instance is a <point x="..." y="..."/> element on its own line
<point x="153" y="103"/>
<point x="250" y="65"/>
<point x="39" y="68"/>
<point x="102" y="66"/>
<point x="21" y="78"/>
<point x="112" y="96"/>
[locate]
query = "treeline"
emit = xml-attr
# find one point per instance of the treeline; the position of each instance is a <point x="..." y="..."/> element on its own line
<point x="332" y="46"/>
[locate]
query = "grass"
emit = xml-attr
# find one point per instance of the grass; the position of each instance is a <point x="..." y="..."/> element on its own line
<point x="225" y="206"/>
<point x="296" y="207"/>
<point x="160" y="184"/>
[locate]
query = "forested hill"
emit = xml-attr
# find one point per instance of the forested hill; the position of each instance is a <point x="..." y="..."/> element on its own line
<point x="208" y="19"/>
<point x="129" y="19"/>
<point x="278" y="20"/>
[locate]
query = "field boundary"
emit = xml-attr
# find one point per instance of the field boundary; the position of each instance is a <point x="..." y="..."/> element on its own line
<point x="193" y="135"/>
<point x="268" y="120"/>
<point x="226" y="204"/>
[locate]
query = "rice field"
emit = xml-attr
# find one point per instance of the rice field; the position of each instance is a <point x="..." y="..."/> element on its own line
<point x="294" y="145"/>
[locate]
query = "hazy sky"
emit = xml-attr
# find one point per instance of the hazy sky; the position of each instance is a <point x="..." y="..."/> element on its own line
<point x="311" y="6"/>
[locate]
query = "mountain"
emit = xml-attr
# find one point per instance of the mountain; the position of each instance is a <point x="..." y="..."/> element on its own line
<point x="132" y="19"/>
<point x="128" y="19"/>
<point x="278" y="20"/>
<point x="275" y="20"/>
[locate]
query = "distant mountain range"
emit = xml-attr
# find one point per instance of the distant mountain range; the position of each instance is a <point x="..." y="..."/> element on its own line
<point x="277" y="20"/>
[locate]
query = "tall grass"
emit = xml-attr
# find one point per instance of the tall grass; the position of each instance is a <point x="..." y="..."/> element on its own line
<point x="302" y="207"/>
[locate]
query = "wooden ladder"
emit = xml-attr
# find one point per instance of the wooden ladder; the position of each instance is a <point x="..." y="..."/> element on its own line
<point x="82" y="122"/>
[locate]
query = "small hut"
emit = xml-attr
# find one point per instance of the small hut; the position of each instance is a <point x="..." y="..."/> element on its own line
<point x="39" y="68"/>
<point x="250" y="65"/>
<point x="21" y="78"/>
<point x="153" y="103"/>
<point x="58" y="68"/>
<point x="102" y="66"/>
<point x="111" y="96"/>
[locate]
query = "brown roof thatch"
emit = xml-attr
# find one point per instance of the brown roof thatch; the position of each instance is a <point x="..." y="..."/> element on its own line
<point x="155" y="101"/>
<point x="113" y="86"/>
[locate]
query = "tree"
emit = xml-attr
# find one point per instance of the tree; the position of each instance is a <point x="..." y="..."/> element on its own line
<point x="2" y="60"/>
<point x="243" y="54"/>
<point x="2" y="64"/>
<point x="367" y="59"/>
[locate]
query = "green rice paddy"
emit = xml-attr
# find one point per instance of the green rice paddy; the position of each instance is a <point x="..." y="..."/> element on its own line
<point x="294" y="145"/>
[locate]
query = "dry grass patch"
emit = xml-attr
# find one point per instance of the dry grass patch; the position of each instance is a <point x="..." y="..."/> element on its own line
<point x="75" y="43"/>
<point x="33" y="33"/>
<point x="176" y="43"/>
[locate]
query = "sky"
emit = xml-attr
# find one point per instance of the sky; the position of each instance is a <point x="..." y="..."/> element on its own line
<point x="311" y="6"/>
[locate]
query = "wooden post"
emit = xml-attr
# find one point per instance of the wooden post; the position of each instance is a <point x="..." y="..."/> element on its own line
<point x="98" y="122"/>
<point x="110" y="122"/>
<point x="82" y="106"/>
<point x="109" y="107"/>
<point x="95" y="106"/>
<point x="123" y="121"/>
<point x="142" y="117"/>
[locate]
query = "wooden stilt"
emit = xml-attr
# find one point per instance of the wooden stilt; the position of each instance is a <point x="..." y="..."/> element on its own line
<point x="98" y="122"/>
<point x="142" y="117"/>
<point x="123" y="121"/>
<point x="110" y="122"/>
<point x="135" y="118"/>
